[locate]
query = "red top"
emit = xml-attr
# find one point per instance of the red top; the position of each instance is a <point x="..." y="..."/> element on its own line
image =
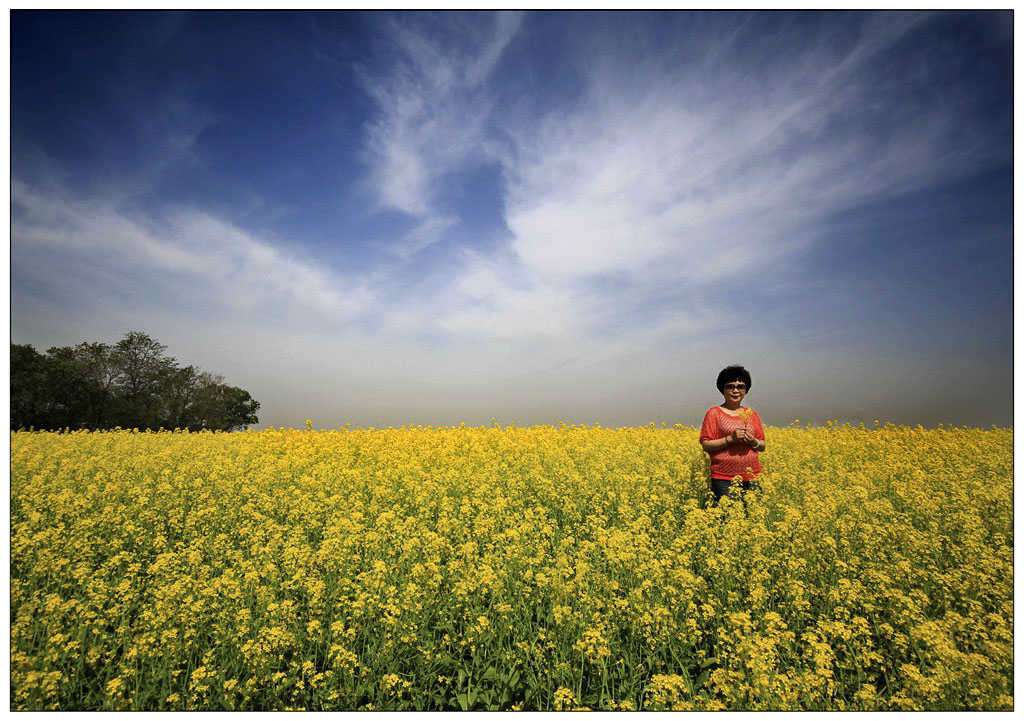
<point x="737" y="459"/>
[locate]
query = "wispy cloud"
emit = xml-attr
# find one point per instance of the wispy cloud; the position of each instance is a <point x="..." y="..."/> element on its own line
<point x="183" y="252"/>
<point x="628" y="203"/>
<point x="652" y="189"/>
<point x="433" y="110"/>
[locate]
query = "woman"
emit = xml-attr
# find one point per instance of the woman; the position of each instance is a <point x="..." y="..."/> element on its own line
<point x="732" y="435"/>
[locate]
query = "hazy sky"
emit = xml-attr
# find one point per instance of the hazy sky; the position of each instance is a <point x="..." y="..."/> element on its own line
<point x="383" y="218"/>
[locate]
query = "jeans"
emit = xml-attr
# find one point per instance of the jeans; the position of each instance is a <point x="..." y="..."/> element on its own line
<point x="720" y="487"/>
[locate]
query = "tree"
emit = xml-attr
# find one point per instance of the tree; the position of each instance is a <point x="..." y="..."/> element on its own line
<point x="28" y="385"/>
<point x="141" y="369"/>
<point x="66" y="390"/>
<point x="220" y="407"/>
<point x="100" y="376"/>
<point x="178" y="392"/>
<point x="239" y="409"/>
<point x="131" y="384"/>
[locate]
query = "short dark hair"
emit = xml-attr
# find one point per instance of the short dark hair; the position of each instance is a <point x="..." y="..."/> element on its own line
<point x="733" y="373"/>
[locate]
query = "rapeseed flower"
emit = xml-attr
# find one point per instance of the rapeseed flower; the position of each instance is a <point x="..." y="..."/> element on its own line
<point x="505" y="567"/>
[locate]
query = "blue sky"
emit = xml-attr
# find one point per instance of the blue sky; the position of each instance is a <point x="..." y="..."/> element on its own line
<point x="381" y="219"/>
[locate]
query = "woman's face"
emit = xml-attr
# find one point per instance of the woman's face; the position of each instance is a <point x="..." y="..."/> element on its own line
<point x="734" y="392"/>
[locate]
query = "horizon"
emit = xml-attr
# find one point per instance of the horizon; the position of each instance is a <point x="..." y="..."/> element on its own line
<point x="395" y="218"/>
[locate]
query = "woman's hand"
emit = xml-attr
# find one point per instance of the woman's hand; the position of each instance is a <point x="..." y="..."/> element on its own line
<point x="743" y="435"/>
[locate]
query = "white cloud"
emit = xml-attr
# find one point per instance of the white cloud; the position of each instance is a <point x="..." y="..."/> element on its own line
<point x="188" y="253"/>
<point x="431" y="117"/>
<point x="487" y="303"/>
<point x="640" y="179"/>
<point x="628" y="207"/>
<point x="656" y="184"/>
<point x="429" y="231"/>
<point x="662" y="189"/>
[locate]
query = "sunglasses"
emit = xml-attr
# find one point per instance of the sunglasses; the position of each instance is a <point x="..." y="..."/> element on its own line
<point x="736" y="386"/>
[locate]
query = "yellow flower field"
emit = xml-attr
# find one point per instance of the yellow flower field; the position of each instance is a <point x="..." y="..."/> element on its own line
<point x="510" y="568"/>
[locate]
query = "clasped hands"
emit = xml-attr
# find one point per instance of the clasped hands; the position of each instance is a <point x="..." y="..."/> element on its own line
<point x="743" y="435"/>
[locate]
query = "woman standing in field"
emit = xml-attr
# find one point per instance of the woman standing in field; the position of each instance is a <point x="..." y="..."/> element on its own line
<point x="732" y="435"/>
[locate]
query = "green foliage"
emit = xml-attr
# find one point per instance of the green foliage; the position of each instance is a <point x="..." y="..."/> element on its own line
<point x="131" y="384"/>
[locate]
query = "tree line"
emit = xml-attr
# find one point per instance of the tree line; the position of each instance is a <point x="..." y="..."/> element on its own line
<point x="131" y="384"/>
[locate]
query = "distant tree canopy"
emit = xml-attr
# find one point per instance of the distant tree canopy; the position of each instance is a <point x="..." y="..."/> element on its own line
<point x="131" y="384"/>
